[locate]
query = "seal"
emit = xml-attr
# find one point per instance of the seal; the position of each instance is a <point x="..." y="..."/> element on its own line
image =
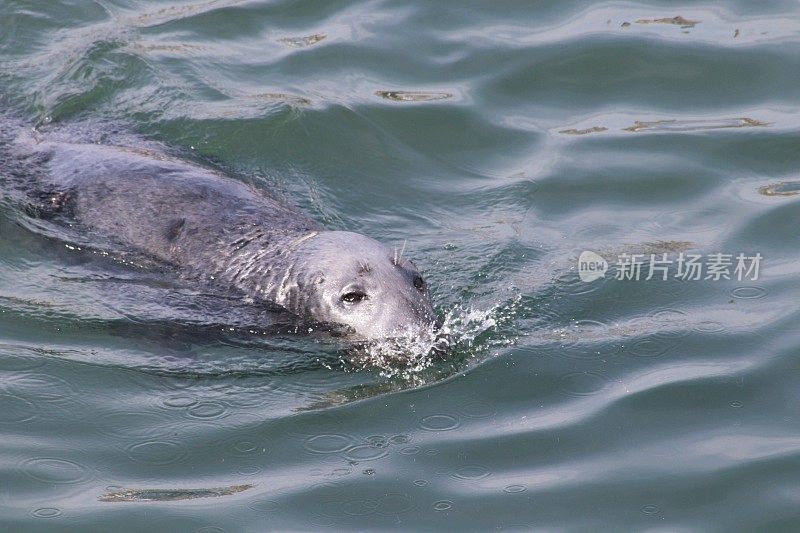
<point x="215" y="229"/>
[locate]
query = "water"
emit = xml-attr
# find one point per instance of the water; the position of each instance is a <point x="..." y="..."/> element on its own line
<point x="496" y="140"/>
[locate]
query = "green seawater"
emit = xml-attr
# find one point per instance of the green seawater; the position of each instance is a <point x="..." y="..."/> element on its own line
<point x="495" y="142"/>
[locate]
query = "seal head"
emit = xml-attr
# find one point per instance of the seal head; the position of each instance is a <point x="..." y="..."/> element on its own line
<point x="348" y="278"/>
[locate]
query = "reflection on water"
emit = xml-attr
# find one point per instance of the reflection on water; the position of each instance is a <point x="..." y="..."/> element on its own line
<point x="677" y="21"/>
<point x="412" y="96"/>
<point x="169" y="495"/>
<point x="299" y="42"/>
<point x="695" y="125"/>
<point x="784" y="188"/>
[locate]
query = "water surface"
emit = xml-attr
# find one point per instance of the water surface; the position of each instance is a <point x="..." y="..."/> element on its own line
<point x="496" y="142"/>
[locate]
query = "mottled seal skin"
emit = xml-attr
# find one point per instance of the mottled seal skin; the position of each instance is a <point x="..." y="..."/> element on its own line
<point x="220" y="231"/>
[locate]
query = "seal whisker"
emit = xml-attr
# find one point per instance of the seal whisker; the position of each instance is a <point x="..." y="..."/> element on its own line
<point x="403" y="249"/>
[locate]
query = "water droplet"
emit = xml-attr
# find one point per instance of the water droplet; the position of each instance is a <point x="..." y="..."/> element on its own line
<point x="471" y="472"/>
<point x="669" y="323"/>
<point x="410" y="450"/>
<point x="249" y="470"/>
<point x="582" y="383"/>
<point x="650" y="348"/>
<point x="263" y="506"/>
<point x="207" y="410"/>
<point x="157" y="452"/>
<point x="378" y="441"/>
<point x="329" y="443"/>
<point x="443" y="505"/>
<point x="46" y="512"/>
<point x="513" y="489"/>
<point x="55" y="471"/>
<point x="365" y="452"/>
<point x="650" y="509"/>
<point x="180" y="402"/>
<point x="399" y="439"/>
<point x="439" y="422"/>
<point x="669" y="315"/>
<point x="709" y="326"/>
<point x="359" y="507"/>
<point x="574" y="339"/>
<point x="736" y="404"/>
<point x="420" y="482"/>
<point x="748" y="293"/>
<point x="245" y="446"/>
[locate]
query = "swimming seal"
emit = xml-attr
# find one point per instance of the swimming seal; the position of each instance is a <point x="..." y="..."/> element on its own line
<point x="221" y="231"/>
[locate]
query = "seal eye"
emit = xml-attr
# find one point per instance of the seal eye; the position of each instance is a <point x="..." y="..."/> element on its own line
<point x="419" y="283"/>
<point x="353" y="297"/>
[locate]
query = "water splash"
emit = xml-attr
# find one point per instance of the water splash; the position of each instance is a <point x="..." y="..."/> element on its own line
<point x="464" y="333"/>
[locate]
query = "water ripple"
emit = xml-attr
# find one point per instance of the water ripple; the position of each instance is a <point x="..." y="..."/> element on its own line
<point x="15" y="410"/>
<point x="47" y="512"/>
<point x="157" y="452"/>
<point x="328" y="443"/>
<point x="439" y="422"/>
<point x="55" y="471"/>
<point x="500" y="142"/>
